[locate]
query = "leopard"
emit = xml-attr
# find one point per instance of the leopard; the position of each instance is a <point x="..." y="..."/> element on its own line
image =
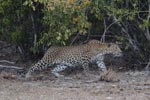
<point x="64" y="57"/>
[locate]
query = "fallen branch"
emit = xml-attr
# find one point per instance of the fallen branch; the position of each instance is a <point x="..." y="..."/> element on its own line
<point x="11" y="72"/>
<point x="6" y="61"/>
<point x="3" y="67"/>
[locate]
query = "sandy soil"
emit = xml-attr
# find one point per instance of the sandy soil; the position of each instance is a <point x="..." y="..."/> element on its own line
<point x="132" y="86"/>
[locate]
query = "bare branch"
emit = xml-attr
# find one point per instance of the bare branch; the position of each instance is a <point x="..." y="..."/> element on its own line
<point x="74" y="38"/>
<point x="105" y="30"/>
<point x="128" y="35"/>
<point x="34" y="30"/>
<point x="20" y="50"/>
<point x="147" y="33"/>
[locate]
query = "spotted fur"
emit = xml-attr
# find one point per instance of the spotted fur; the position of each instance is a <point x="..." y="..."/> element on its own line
<point x="72" y="56"/>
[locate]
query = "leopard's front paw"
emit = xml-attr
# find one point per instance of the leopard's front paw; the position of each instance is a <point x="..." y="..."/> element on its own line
<point x="27" y="75"/>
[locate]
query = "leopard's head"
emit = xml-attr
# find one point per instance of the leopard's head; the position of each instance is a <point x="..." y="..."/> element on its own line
<point x="114" y="49"/>
<point x="105" y="48"/>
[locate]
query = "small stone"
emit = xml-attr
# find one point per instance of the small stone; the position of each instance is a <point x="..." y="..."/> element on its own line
<point x="109" y="98"/>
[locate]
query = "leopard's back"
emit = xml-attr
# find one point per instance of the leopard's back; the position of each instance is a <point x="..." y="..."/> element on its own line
<point x="68" y="54"/>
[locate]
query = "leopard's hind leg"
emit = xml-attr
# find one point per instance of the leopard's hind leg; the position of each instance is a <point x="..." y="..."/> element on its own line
<point x="58" y="69"/>
<point x="85" y="65"/>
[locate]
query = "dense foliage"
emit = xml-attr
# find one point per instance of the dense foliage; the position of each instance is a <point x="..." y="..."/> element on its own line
<point x="34" y="25"/>
<point x="18" y="24"/>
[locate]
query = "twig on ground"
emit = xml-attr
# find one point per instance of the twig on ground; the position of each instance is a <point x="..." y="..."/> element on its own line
<point x="10" y="67"/>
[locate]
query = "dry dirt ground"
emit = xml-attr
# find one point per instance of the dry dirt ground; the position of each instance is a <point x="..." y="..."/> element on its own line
<point x="132" y="85"/>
